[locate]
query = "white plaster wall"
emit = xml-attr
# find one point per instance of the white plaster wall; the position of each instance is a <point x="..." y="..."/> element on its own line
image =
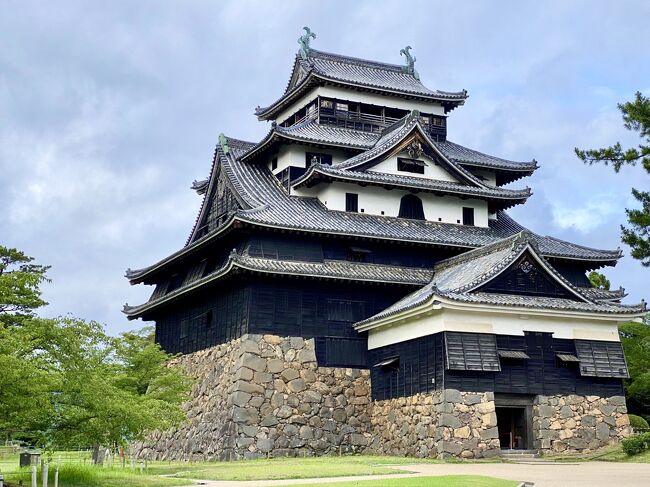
<point x="431" y="170"/>
<point x="374" y="200"/>
<point x="497" y="323"/>
<point x="490" y="176"/>
<point x="359" y="97"/>
<point x="294" y="155"/>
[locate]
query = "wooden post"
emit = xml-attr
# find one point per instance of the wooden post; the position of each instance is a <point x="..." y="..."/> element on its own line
<point x="141" y="468"/>
<point x="2" y="480"/>
<point x="56" y="476"/>
<point x="45" y="473"/>
<point x="34" y="482"/>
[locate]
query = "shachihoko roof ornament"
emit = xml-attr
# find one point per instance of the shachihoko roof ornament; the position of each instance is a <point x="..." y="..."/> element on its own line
<point x="304" y="41"/>
<point x="410" y="62"/>
<point x="223" y="142"/>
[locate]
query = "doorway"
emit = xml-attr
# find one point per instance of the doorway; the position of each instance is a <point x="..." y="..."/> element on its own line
<point x="513" y="428"/>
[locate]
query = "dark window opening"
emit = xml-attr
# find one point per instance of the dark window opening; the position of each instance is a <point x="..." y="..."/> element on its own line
<point x="357" y="254"/>
<point x="410" y="165"/>
<point x="184" y="329"/>
<point x="468" y="216"/>
<point x="345" y="310"/>
<point x="352" y="202"/>
<point x="411" y="207"/>
<point x="274" y="163"/>
<point x="208" y="319"/>
<point x="312" y="158"/>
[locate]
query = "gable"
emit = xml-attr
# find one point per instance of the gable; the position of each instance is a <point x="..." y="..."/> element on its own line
<point x="407" y="164"/>
<point x="414" y="147"/>
<point x="220" y="203"/>
<point x="527" y="277"/>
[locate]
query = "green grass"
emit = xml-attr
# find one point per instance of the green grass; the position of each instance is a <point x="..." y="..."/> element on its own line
<point x="286" y="468"/>
<point x="612" y="454"/>
<point x="442" y="481"/>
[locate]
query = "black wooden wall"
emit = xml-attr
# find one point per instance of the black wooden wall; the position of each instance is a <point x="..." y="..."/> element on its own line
<point x="422" y="359"/>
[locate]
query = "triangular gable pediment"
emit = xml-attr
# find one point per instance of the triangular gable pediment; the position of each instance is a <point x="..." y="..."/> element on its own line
<point x="530" y="275"/>
<point x="416" y="145"/>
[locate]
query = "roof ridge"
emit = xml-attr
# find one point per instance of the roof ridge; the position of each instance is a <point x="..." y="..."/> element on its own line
<point x="357" y="61"/>
<point x="516" y="240"/>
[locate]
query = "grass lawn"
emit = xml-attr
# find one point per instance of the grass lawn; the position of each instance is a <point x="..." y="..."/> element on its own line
<point x="442" y="481"/>
<point x="613" y="454"/>
<point x="286" y="468"/>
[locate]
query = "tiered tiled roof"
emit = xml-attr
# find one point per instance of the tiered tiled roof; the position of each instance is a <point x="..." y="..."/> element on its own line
<point x="460" y="278"/>
<point x="266" y="203"/>
<point x="391" y="79"/>
<point x="328" y="269"/>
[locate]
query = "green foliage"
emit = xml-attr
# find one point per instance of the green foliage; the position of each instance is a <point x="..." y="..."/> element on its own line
<point x="636" y="444"/>
<point x="19" y="284"/>
<point x="636" y="117"/>
<point x="68" y="383"/>
<point x="599" y="280"/>
<point x="635" y="338"/>
<point x="637" y="422"/>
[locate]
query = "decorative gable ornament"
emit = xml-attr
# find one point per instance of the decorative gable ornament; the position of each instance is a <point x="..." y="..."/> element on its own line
<point x="410" y="62"/>
<point x="414" y="149"/>
<point x="304" y="41"/>
<point x="526" y="267"/>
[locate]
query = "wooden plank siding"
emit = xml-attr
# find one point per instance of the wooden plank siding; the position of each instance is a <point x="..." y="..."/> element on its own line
<point x="421" y="360"/>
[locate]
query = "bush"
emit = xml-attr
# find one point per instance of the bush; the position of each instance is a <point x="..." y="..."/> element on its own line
<point x="637" y="422"/>
<point x="636" y="444"/>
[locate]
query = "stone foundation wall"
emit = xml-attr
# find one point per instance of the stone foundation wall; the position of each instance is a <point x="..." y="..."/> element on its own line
<point x="578" y="424"/>
<point x="265" y="395"/>
<point x="439" y="424"/>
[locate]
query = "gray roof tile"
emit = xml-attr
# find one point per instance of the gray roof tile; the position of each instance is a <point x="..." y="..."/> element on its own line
<point x="382" y="77"/>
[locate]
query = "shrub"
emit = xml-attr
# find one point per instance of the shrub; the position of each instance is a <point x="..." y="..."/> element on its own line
<point x="637" y="422"/>
<point x="636" y="444"/>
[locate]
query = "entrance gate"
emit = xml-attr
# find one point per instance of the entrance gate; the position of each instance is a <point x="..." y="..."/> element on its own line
<point x="514" y="421"/>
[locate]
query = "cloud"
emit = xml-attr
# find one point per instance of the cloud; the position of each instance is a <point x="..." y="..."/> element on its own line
<point x="110" y="110"/>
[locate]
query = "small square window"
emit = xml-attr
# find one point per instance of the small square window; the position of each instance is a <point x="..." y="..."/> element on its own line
<point x="274" y="164"/>
<point x="468" y="216"/>
<point x="410" y="165"/>
<point x="352" y="202"/>
<point x="382" y="212"/>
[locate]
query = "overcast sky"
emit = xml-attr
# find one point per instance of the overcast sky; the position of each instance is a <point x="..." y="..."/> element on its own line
<point x="109" y="110"/>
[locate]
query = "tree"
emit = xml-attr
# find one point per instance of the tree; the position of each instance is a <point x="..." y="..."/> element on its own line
<point x="69" y="383"/>
<point x="599" y="280"/>
<point x="636" y="117"/>
<point x="635" y="338"/>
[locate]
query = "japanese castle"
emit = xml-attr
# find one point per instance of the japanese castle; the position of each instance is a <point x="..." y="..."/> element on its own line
<point x="354" y="283"/>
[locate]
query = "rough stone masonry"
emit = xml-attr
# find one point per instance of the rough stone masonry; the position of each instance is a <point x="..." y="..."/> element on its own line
<point x="265" y="395"/>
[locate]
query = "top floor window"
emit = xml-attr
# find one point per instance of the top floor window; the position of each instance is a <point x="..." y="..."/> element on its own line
<point x="410" y="165"/>
<point x="411" y="207"/>
<point x="312" y="158"/>
<point x="468" y="216"/>
<point x="342" y="107"/>
<point x="327" y="104"/>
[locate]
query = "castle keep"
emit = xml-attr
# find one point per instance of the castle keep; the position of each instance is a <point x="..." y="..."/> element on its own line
<point x="353" y="283"/>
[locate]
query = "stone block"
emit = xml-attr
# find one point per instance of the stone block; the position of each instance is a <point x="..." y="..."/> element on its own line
<point x="296" y="385"/>
<point x="339" y="415"/>
<point x="290" y="374"/>
<point x="546" y="411"/>
<point x="284" y="412"/>
<point x="262" y="377"/>
<point x="452" y="395"/>
<point x="248" y="387"/>
<point x="450" y="420"/>
<point x="462" y="432"/>
<point x="489" y="420"/>
<point x="269" y="420"/>
<point x="622" y="421"/>
<point x="245" y="415"/>
<point x="490" y="433"/>
<point x="471" y="399"/>
<point x="306" y="355"/>
<point x="250" y="346"/>
<point x="252" y="361"/>
<point x="240" y="398"/>
<point x="274" y="366"/>
<point x="296" y="343"/>
<point x="617" y="400"/>
<point x="312" y="396"/>
<point x="566" y="412"/>
<point x="272" y="339"/>
<point x="357" y="439"/>
<point x="485" y="407"/>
